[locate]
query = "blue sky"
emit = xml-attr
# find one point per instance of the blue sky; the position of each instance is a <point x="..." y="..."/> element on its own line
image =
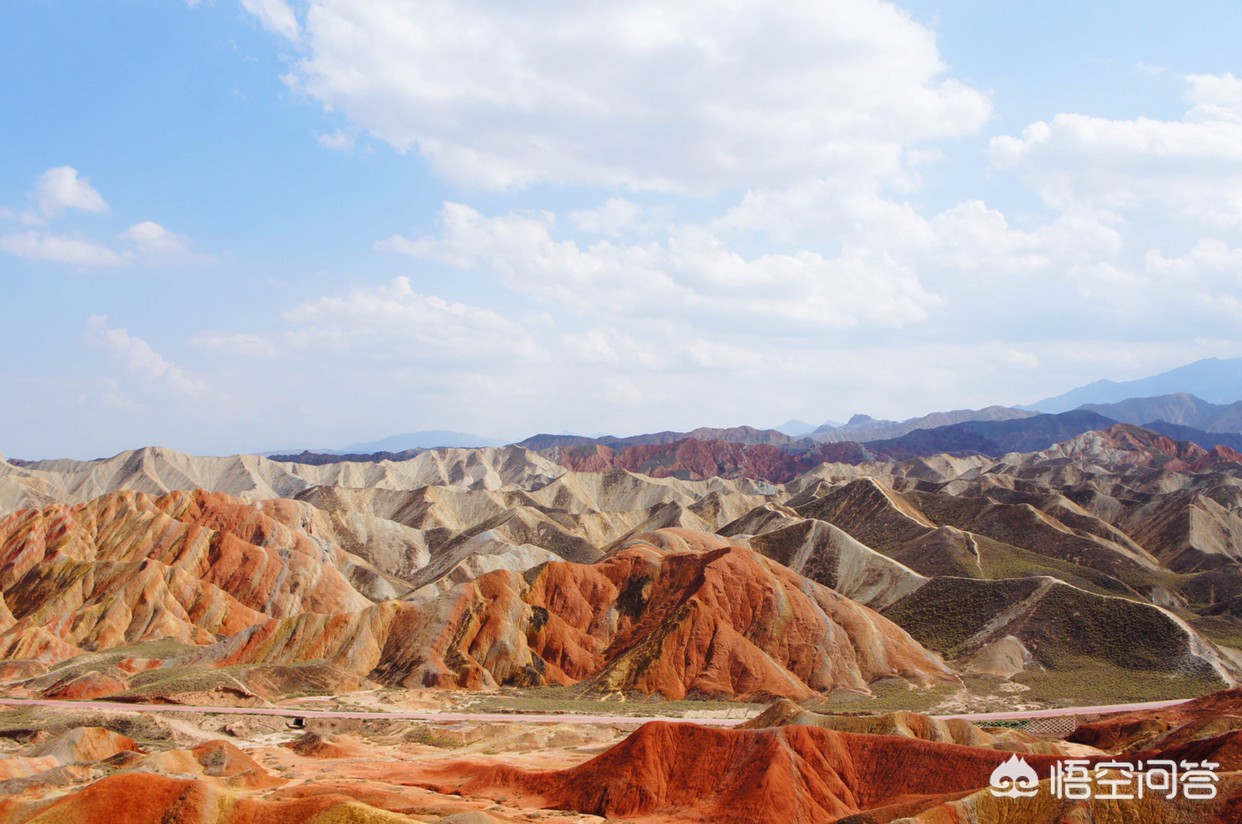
<point x="233" y="225"/>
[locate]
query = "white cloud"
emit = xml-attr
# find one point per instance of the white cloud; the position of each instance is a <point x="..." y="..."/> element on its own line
<point x="719" y="354"/>
<point x="692" y="275"/>
<point x="592" y="346"/>
<point x="845" y="209"/>
<point x="152" y="243"/>
<point x="338" y="140"/>
<point x="276" y="16"/>
<point x="139" y="357"/>
<point x="1205" y="282"/>
<point x="60" y="249"/>
<point x="689" y="96"/>
<point x="611" y="347"/>
<point x="972" y="237"/>
<point x="621" y="391"/>
<point x="1190" y="167"/>
<point x="1214" y="97"/>
<point x="1206" y="256"/>
<point x="612" y="218"/>
<point x="392" y="322"/>
<point x="150" y="237"/>
<point x="1019" y="358"/>
<point x="61" y="188"/>
<point x="149" y="242"/>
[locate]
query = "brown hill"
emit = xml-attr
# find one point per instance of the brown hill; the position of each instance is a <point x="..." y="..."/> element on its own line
<point x="683" y="772"/>
<point x="189" y="567"/>
<point x="689" y="458"/>
<point x="1133" y="445"/>
<point x="725" y="622"/>
<point x="156" y="470"/>
<point x="786" y="713"/>
<point x="154" y="799"/>
<point x="1148" y="728"/>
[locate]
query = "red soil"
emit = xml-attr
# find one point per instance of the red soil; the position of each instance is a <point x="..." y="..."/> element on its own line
<point x="683" y="772"/>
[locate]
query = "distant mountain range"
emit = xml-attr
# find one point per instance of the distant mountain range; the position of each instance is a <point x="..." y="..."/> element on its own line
<point x="864" y="428"/>
<point x="1216" y="380"/>
<point x="734" y="434"/>
<point x="430" y="439"/>
<point x="1198" y="402"/>
<point x="1181" y="409"/>
<point x="796" y="428"/>
<point x="993" y="437"/>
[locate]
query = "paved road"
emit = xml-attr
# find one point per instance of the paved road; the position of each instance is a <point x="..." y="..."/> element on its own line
<point x="529" y="718"/>
<point x="296" y="712"/>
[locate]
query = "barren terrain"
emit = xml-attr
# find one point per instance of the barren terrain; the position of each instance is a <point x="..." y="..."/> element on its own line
<point x="803" y="623"/>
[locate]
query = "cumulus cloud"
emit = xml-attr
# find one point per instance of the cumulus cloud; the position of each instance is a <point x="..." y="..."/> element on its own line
<point x="53" y="248"/>
<point x="394" y="322"/>
<point x="62" y="188"/>
<point x="149" y="242"/>
<point x="1208" y="255"/>
<point x="276" y="16"/>
<point x="610" y="347"/>
<point x="139" y="358"/>
<point x="149" y="236"/>
<point x="614" y="217"/>
<point x="692" y="275"/>
<point x="153" y="243"/>
<point x="645" y="95"/>
<point x="812" y="265"/>
<point x="1191" y="167"/>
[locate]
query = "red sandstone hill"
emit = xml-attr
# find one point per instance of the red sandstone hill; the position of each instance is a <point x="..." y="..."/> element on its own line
<point x="688" y="458"/>
<point x="188" y="566"/>
<point x="726" y="622"/>
<point x="698" y="458"/>
<point x="668" y="772"/>
<point x="1144" y="728"/>
<point x="1133" y="445"/>
<point x="138" y="798"/>
<point x="262" y="586"/>
<point x="684" y="772"/>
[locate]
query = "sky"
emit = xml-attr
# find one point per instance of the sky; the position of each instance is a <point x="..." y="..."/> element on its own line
<point x="253" y="225"/>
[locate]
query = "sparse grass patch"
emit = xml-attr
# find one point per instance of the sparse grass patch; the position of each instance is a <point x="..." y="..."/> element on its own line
<point x="943" y="614"/>
<point x="575" y="700"/>
<point x="1000" y="560"/>
<point x="888" y="697"/>
<point x="1223" y="631"/>
<point x="1087" y="682"/>
<point x="107" y="660"/>
<point x="173" y="680"/>
<point x="428" y="736"/>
